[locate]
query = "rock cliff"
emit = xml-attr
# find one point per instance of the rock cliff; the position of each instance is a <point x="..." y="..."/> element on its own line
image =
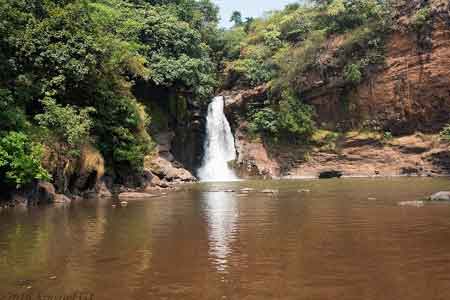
<point x="411" y="92"/>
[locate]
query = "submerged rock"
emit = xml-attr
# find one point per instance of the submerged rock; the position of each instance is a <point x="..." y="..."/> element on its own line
<point x="441" y="196"/>
<point x="412" y="203"/>
<point x="268" y="191"/>
<point x="136" y="195"/>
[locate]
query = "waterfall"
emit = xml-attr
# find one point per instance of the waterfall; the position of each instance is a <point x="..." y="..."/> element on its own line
<point x="219" y="145"/>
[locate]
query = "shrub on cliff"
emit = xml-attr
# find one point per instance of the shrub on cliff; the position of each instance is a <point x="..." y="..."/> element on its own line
<point x="296" y="118"/>
<point x="70" y="124"/>
<point x="288" y="121"/>
<point x="421" y="18"/>
<point x="352" y="73"/>
<point x="264" y="121"/>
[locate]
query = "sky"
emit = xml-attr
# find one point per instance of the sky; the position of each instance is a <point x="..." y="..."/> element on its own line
<point x="248" y="8"/>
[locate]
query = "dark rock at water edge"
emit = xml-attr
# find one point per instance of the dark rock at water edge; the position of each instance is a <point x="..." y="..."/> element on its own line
<point x="36" y="193"/>
<point x="330" y="174"/>
<point x="40" y="193"/>
<point x="411" y="170"/>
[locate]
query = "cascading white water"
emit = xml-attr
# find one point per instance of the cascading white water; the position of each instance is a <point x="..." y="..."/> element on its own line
<point x="219" y="145"/>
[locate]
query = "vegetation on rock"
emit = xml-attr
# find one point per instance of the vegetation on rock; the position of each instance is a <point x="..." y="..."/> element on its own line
<point x="338" y="41"/>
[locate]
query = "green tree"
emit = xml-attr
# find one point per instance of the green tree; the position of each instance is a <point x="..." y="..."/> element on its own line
<point x="20" y="160"/>
<point x="71" y="124"/>
<point x="236" y="18"/>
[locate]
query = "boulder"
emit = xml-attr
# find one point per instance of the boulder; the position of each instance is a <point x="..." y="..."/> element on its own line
<point x="39" y="192"/>
<point x="163" y="184"/>
<point x="18" y="198"/>
<point x="440" y="196"/>
<point x="139" y="180"/>
<point x="88" y="170"/>
<point x="61" y="198"/>
<point x="170" y="171"/>
<point x="43" y="193"/>
<point x="330" y="174"/>
<point x="155" y="181"/>
<point x="254" y="159"/>
<point x="103" y="191"/>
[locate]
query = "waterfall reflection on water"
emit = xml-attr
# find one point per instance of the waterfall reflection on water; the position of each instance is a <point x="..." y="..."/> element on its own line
<point x="222" y="214"/>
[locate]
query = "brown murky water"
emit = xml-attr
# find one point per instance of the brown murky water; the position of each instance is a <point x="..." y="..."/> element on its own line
<point x="332" y="243"/>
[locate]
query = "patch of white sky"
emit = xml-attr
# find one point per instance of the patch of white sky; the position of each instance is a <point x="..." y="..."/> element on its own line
<point x="248" y="8"/>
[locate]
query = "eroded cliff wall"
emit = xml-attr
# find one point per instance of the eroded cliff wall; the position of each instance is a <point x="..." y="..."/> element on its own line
<point x="411" y="92"/>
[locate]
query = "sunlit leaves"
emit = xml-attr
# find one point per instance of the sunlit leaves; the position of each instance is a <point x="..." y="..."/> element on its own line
<point x="20" y="159"/>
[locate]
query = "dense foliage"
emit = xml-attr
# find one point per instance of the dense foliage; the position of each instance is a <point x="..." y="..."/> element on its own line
<point x="335" y="40"/>
<point x="20" y="160"/>
<point x="67" y="68"/>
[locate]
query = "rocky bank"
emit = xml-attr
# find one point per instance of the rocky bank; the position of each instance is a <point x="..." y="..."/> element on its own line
<point x="176" y="155"/>
<point x="354" y="153"/>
